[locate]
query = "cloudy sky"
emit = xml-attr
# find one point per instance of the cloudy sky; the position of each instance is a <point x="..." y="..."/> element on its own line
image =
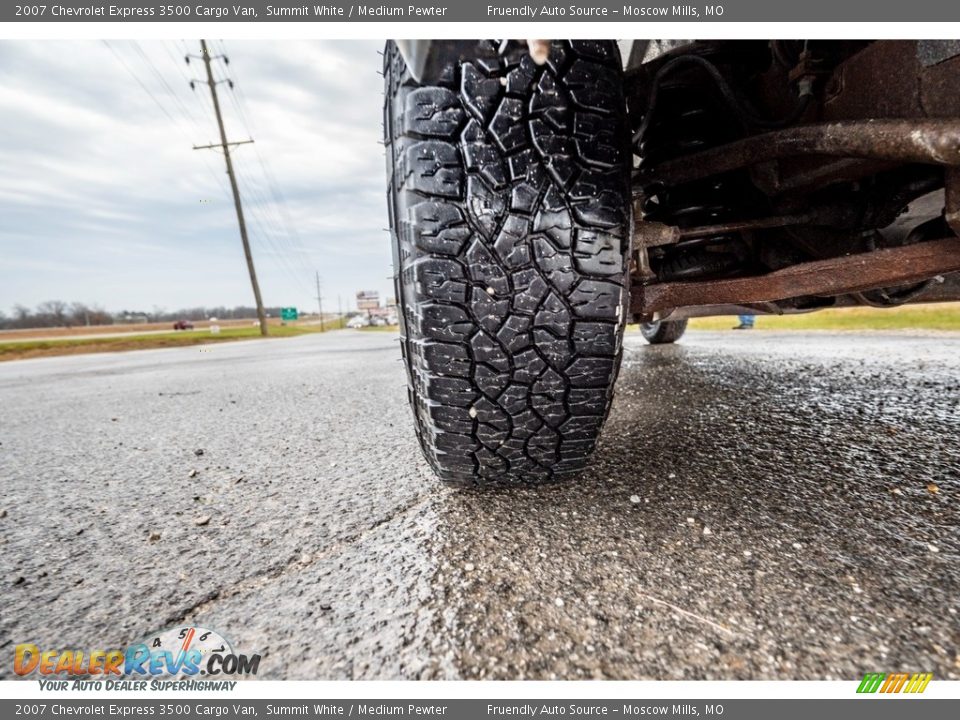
<point x="104" y="201"/>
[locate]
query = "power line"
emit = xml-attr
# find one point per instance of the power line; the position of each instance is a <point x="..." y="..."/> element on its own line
<point x="163" y="109"/>
<point x="163" y="81"/>
<point x="280" y="204"/>
<point x="271" y="232"/>
<point x="267" y="228"/>
<point x="263" y="212"/>
<point x="261" y="314"/>
<point x="274" y="206"/>
<point x="132" y="74"/>
<point x="277" y="254"/>
<point x="176" y="123"/>
<point x="264" y="231"/>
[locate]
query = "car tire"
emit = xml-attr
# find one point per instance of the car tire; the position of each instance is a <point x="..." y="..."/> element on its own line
<point x="663" y="331"/>
<point x="509" y="203"/>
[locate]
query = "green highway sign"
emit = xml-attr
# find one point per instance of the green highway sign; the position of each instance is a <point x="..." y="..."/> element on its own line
<point x="289" y="313"/>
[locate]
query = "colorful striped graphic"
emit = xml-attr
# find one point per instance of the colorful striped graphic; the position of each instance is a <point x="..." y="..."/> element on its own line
<point x="894" y="682"/>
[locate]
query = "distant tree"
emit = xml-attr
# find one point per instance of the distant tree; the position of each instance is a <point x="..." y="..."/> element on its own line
<point x="83" y="314"/>
<point x="79" y="313"/>
<point x="53" y="313"/>
<point x="99" y="316"/>
<point x="22" y="317"/>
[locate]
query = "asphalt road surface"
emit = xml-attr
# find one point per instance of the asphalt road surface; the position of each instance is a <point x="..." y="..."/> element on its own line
<point x="762" y="506"/>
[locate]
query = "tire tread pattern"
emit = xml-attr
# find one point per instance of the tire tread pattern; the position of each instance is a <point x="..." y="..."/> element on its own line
<point x="509" y="208"/>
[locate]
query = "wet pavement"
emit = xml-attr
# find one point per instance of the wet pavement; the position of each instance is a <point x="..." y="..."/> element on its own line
<point x="762" y="506"/>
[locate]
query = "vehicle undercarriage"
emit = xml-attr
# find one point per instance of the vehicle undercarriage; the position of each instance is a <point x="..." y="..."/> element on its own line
<point x="788" y="176"/>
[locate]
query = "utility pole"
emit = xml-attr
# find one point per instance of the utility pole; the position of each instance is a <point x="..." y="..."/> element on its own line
<point x="205" y="56"/>
<point x="320" y="302"/>
<point x="339" y="313"/>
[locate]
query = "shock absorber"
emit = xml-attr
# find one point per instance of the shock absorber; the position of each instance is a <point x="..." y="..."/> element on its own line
<point x="687" y="117"/>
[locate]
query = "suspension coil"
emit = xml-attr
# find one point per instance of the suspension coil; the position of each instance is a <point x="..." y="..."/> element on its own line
<point x="686" y="119"/>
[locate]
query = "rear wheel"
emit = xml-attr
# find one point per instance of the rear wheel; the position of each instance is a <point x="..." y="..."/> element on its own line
<point x="663" y="331"/>
<point x="510" y="214"/>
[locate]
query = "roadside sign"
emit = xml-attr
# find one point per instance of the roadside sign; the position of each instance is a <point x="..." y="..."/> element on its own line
<point x="368" y="300"/>
<point x="289" y="313"/>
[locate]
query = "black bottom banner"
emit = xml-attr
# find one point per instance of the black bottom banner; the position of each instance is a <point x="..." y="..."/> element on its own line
<point x="874" y="708"/>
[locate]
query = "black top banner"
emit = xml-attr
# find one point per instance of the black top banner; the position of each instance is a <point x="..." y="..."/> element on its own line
<point x="641" y="11"/>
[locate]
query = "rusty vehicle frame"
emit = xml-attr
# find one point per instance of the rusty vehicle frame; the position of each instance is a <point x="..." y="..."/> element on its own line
<point x="874" y="109"/>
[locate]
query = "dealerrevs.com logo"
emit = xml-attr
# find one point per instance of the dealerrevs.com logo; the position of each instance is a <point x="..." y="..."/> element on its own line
<point x="178" y="652"/>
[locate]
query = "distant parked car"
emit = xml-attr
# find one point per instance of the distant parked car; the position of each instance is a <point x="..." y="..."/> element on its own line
<point x="357" y="322"/>
<point x="183" y="325"/>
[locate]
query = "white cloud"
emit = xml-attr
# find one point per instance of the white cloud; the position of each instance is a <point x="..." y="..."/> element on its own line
<point x="104" y="200"/>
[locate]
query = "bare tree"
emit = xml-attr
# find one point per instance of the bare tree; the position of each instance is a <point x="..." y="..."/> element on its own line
<point x="22" y="317"/>
<point x="53" y="313"/>
<point x="79" y="313"/>
<point x="99" y="316"/>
